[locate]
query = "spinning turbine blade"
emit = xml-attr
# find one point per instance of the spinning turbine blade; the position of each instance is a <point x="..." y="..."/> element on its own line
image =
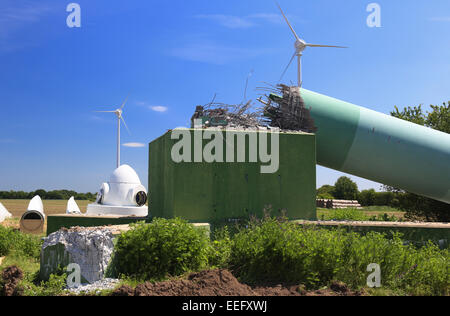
<point x="287" y="21"/>
<point x="105" y="111"/>
<point x="246" y="83"/>
<point x="125" y="124"/>
<point x="286" y="69"/>
<point x="315" y="45"/>
<point x="123" y="104"/>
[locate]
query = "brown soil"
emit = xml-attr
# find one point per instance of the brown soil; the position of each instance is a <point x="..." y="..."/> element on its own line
<point x="11" y="277"/>
<point x="223" y="283"/>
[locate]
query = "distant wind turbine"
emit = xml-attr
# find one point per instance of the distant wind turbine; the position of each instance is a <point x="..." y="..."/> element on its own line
<point x="300" y="46"/>
<point x="119" y="115"/>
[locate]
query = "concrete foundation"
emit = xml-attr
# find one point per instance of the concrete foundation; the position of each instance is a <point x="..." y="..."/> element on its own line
<point x="56" y="222"/>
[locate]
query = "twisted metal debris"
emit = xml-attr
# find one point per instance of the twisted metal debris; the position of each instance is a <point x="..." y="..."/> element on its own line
<point x="284" y="109"/>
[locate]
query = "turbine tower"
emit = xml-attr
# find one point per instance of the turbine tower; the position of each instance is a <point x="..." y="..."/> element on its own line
<point x="119" y="115"/>
<point x="300" y="46"/>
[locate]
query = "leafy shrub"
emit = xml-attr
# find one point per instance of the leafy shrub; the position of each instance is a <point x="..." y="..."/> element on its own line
<point x="53" y="287"/>
<point x="367" y="197"/>
<point x="349" y="214"/>
<point x="163" y="247"/>
<point x="326" y="192"/>
<point x="285" y="252"/>
<point x="325" y="196"/>
<point x="220" y="250"/>
<point x="14" y="241"/>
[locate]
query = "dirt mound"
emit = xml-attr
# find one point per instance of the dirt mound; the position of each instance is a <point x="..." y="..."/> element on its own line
<point x="220" y="283"/>
<point x="11" y="277"/>
<point x="205" y="283"/>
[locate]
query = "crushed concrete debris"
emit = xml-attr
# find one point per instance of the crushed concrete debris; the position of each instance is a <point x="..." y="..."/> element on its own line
<point x="90" y="248"/>
<point x="96" y="287"/>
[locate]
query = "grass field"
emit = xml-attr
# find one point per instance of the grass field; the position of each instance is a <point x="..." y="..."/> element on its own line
<point x="18" y="207"/>
<point x="366" y="212"/>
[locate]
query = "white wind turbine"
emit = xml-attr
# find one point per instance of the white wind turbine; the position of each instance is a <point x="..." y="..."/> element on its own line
<point x="300" y="46"/>
<point x="118" y="113"/>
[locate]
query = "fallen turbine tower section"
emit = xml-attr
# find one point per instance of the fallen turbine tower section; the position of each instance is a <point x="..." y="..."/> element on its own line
<point x="376" y="146"/>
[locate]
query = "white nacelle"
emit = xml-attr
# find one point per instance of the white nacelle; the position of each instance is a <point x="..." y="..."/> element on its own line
<point x="122" y="189"/>
<point x="123" y="194"/>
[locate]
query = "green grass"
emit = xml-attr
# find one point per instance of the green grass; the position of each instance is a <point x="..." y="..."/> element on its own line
<point x="372" y="213"/>
<point x="23" y="251"/>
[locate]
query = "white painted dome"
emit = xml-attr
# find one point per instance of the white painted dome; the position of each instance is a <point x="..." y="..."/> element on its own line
<point x="124" y="174"/>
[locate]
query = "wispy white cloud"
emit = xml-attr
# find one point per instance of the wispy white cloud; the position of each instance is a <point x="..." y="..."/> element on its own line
<point x="242" y="22"/>
<point x="134" y="145"/>
<point x="96" y="118"/>
<point x="156" y="108"/>
<point x="16" y="16"/>
<point x="229" y="21"/>
<point x="213" y="53"/>
<point x="440" y="19"/>
<point x="268" y="17"/>
<point x="159" y="108"/>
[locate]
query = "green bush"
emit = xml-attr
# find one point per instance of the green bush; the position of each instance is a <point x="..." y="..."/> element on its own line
<point x="53" y="287"/>
<point x="349" y="214"/>
<point x="325" y="196"/>
<point x="367" y="197"/>
<point x="164" y="247"/>
<point x="14" y="241"/>
<point x="220" y="250"/>
<point x="275" y="251"/>
<point x="326" y="192"/>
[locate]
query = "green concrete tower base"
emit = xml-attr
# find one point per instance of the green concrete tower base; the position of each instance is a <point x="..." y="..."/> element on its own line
<point x="214" y="192"/>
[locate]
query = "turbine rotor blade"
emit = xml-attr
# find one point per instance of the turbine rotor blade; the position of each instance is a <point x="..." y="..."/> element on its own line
<point x="105" y="111"/>
<point x="286" y="69"/>
<point x="287" y="21"/>
<point x="315" y="45"/>
<point x="123" y="104"/>
<point x="125" y="125"/>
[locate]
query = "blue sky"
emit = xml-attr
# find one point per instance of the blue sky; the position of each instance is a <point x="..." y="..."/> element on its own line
<point x="173" y="55"/>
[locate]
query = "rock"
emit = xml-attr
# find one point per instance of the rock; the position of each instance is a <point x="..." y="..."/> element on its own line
<point x="90" y="248"/>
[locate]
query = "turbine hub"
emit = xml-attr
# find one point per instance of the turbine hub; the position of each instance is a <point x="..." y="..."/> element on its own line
<point x="300" y="45"/>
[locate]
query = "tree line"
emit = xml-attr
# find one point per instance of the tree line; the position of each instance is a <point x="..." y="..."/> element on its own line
<point x="416" y="207"/>
<point x="47" y="195"/>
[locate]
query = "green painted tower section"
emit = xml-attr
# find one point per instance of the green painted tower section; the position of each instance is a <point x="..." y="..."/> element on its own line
<point x="223" y="191"/>
<point x="380" y="148"/>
